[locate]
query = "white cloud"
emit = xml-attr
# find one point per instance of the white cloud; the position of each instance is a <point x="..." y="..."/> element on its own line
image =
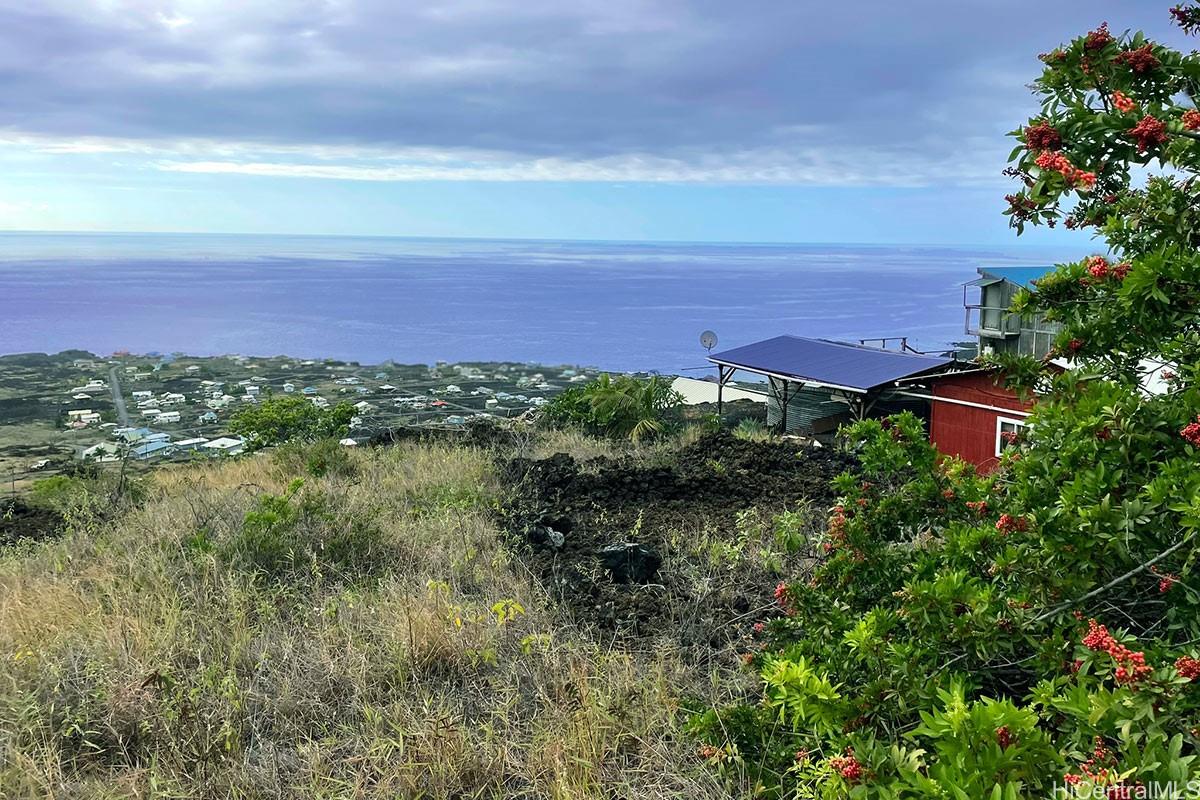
<point x="802" y="164"/>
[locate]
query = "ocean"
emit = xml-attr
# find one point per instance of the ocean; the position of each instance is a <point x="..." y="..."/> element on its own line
<point x="613" y="305"/>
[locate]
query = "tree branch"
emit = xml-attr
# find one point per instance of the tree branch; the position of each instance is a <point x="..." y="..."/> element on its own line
<point x="1115" y="581"/>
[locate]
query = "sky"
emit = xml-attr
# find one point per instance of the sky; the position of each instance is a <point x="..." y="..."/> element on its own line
<point x="689" y="120"/>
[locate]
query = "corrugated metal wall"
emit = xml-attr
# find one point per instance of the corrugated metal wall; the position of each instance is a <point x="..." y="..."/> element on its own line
<point x="808" y="409"/>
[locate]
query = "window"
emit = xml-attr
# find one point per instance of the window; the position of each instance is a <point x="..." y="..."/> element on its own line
<point x="1007" y="431"/>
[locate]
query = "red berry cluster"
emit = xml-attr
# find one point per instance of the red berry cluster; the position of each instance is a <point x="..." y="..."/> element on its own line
<point x="1102" y="758"/>
<point x="1009" y="524"/>
<point x="1004" y="737"/>
<point x="1150" y="132"/>
<point x="978" y="506"/>
<point x="1053" y="161"/>
<point x="781" y="594"/>
<point x="707" y="751"/>
<point x="1120" y="271"/>
<point x="801" y="756"/>
<point x="1191" y="119"/>
<point x="1140" y="60"/>
<point x="1123" y="103"/>
<point x="1191" y="432"/>
<point x="1104" y="434"/>
<point x="1131" y="666"/>
<point x="1042" y="136"/>
<point x="1097" y="267"/>
<point x="837" y="528"/>
<point x="847" y="766"/>
<point x="1188" y="667"/>
<point x="1165" y="582"/>
<point x="1075" y="345"/>
<point x="1098" y="38"/>
<point x="948" y="494"/>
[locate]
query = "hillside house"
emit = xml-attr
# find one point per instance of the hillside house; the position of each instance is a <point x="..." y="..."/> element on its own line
<point x="816" y="385"/>
<point x="972" y="414"/>
<point x="131" y="434"/>
<point x="104" y="451"/>
<point x="224" y="446"/>
<point x="168" y="417"/>
<point x="998" y="330"/>
<point x="149" y="450"/>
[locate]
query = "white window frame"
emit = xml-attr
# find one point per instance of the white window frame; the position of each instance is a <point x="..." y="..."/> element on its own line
<point x="1017" y="423"/>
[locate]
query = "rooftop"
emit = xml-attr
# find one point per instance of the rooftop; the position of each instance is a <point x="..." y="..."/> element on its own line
<point x="825" y="362"/>
<point x="1021" y="276"/>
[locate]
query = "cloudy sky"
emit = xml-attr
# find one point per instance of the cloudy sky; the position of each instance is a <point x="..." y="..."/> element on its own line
<point x="758" y="120"/>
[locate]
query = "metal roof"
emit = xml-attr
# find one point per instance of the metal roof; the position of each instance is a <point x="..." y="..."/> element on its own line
<point x="828" y="363"/>
<point x="1021" y="276"/>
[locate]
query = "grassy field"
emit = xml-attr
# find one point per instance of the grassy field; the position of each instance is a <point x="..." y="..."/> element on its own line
<point x="248" y="630"/>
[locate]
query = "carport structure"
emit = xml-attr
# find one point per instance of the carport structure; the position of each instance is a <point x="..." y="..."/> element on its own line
<point x="817" y="384"/>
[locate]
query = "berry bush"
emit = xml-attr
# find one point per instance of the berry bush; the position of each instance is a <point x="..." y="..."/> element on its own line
<point x="1037" y="629"/>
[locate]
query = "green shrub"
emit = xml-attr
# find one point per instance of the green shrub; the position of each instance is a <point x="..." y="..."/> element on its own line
<point x="752" y="430"/>
<point x="324" y="457"/>
<point x="299" y="535"/>
<point x="59" y="492"/>
<point x="623" y="407"/>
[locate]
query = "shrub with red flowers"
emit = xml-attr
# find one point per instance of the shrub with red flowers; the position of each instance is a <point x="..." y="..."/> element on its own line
<point x="947" y="655"/>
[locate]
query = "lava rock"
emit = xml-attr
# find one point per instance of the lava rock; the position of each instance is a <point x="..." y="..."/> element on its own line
<point x="630" y="562"/>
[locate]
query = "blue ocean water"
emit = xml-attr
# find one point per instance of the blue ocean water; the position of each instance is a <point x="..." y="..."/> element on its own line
<point x="615" y="305"/>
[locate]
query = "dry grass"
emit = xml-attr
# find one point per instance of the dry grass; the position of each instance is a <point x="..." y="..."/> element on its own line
<point x="141" y="658"/>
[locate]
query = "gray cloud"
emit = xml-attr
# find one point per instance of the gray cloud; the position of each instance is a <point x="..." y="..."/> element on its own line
<point x="903" y="90"/>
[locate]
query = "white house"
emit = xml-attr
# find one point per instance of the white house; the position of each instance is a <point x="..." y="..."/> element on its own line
<point x="168" y="416"/>
<point x="101" y="452"/>
<point x="192" y="444"/>
<point x="289" y="388"/>
<point x="142" y="394"/>
<point x="224" y="446"/>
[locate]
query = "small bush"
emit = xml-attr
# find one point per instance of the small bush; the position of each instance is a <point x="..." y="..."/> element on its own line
<point x="623" y="407"/>
<point x="322" y="458"/>
<point x="297" y="534"/>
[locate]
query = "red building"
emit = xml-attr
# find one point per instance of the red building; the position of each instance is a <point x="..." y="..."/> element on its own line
<point x="970" y="413"/>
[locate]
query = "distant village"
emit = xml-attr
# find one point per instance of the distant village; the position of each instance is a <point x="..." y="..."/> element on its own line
<point x="82" y="407"/>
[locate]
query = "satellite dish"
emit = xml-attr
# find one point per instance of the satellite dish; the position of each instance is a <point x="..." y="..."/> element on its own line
<point x="708" y="340"/>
